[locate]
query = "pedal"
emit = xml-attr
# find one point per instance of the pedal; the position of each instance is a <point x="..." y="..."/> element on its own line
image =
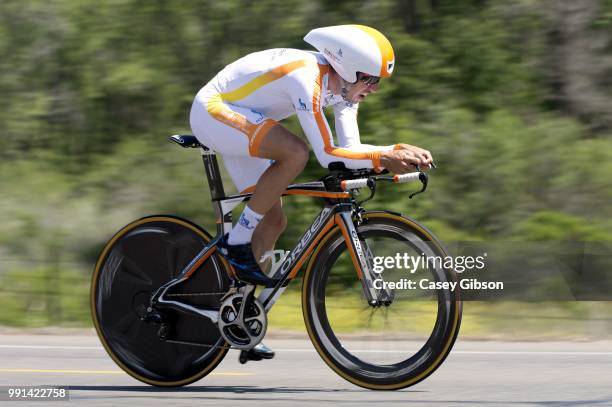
<point x="245" y="356"/>
<point x="255" y="354"/>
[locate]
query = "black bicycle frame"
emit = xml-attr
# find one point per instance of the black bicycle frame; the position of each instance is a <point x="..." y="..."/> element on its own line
<point x="337" y="212"/>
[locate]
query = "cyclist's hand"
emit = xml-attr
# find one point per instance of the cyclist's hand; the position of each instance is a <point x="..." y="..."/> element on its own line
<point x="399" y="161"/>
<point x="422" y="154"/>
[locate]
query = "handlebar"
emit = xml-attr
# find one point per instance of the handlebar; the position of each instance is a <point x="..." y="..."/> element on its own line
<point x="347" y="185"/>
<point x="353" y="180"/>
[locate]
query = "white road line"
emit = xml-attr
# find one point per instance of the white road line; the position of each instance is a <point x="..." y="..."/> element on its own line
<point x="69" y="371"/>
<point x="51" y="347"/>
<point x="466" y="352"/>
<point x="511" y="352"/>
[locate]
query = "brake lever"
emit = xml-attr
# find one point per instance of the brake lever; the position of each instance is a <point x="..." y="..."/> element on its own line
<point x="372" y="186"/>
<point x="424" y="178"/>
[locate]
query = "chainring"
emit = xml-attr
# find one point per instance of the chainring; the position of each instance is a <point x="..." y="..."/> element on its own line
<point x="243" y="329"/>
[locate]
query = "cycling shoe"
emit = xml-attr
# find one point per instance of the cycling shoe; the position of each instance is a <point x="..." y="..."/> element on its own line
<point x="259" y="352"/>
<point x="245" y="265"/>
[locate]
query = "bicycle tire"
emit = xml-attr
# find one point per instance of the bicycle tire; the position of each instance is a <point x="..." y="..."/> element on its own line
<point x="346" y="363"/>
<point x="138" y="259"/>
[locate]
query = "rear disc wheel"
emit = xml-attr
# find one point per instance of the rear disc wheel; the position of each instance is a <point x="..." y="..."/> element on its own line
<point x="139" y="259"/>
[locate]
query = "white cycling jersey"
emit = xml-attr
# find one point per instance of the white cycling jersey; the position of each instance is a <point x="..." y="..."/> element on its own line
<point x="235" y="110"/>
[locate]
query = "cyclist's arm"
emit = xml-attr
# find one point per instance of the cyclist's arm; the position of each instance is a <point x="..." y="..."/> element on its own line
<point x="307" y="103"/>
<point x="347" y="130"/>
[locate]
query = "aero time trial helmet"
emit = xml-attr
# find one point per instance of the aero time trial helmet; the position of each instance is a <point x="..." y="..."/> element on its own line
<point x="354" y="48"/>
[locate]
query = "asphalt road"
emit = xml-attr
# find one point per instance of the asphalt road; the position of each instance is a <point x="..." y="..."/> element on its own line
<point x="477" y="373"/>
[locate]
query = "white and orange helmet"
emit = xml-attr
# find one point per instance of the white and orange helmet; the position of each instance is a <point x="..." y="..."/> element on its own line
<point x="354" y="48"/>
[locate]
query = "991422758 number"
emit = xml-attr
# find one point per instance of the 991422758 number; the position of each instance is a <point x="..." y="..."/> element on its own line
<point x="33" y="393"/>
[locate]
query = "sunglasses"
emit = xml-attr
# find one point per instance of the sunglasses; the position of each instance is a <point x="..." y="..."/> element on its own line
<point x="369" y="80"/>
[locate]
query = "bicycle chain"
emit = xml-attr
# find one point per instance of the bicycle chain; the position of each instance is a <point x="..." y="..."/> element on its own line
<point x="194" y="294"/>
<point x="230" y="291"/>
<point x="195" y="344"/>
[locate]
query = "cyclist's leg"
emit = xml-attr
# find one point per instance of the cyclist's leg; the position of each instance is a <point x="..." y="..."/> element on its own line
<point x="249" y="138"/>
<point x="290" y="155"/>
<point x="268" y="232"/>
<point x="245" y="172"/>
<point x="235" y="133"/>
<point x="241" y="132"/>
<point x="268" y="179"/>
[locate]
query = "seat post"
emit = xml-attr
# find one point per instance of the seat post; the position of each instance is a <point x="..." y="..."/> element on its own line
<point x="215" y="183"/>
<point x="213" y="174"/>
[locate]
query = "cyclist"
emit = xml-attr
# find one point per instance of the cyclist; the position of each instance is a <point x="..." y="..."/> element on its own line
<point x="237" y="113"/>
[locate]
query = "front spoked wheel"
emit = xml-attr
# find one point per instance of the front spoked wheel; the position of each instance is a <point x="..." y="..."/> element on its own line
<point x="173" y="348"/>
<point x="405" y="336"/>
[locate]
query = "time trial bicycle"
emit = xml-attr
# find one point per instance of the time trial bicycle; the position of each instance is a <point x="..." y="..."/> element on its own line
<point x="167" y="306"/>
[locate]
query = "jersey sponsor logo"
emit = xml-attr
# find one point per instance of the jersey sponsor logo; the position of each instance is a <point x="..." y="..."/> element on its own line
<point x="339" y="52"/>
<point x="245" y="222"/>
<point x="302" y="105"/>
<point x="259" y="118"/>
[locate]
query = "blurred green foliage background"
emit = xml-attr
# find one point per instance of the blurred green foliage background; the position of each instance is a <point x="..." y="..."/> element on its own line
<point x="513" y="98"/>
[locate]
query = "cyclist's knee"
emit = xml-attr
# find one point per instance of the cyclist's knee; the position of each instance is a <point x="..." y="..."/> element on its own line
<point x="283" y="146"/>
<point x="294" y="150"/>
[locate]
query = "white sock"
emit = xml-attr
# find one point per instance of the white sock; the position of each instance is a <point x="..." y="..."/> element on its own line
<point x="243" y="230"/>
